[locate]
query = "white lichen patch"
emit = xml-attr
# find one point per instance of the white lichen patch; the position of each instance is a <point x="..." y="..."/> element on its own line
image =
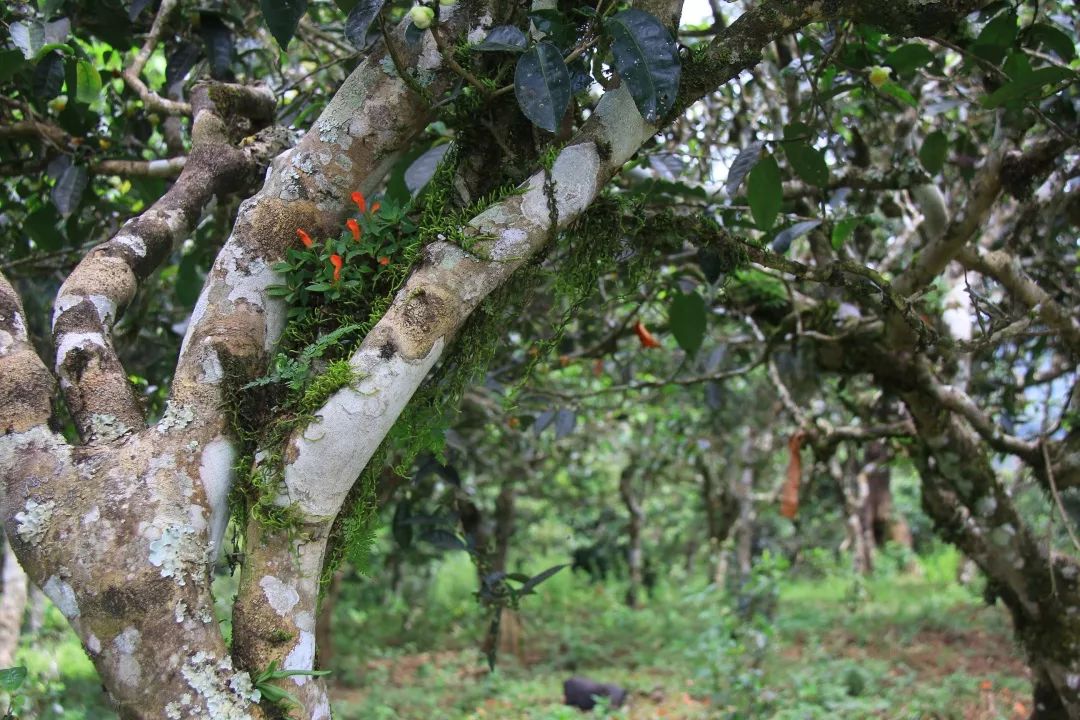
<point x="62" y="595"/>
<point x="93" y="644"/>
<point x="77" y="341"/>
<point x="174" y="548"/>
<point x="106" y="427"/>
<point x="176" y="416"/>
<point x="6" y="342"/>
<point x="301" y="657"/>
<point x="210" y="370"/>
<point x="226" y="695"/>
<point x="128" y="669"/>
<point x="478" y="33"/>
<point x="180" y="611"/>
<point x="33" y="520"/>
<point x="131" y="242"/>
<point x="282" y="597"/>
<point x="513" y="244"/>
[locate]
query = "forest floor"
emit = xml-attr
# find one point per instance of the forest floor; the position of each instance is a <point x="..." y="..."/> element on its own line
<point x="899" y="645"/>
<point x="902" y="646"/>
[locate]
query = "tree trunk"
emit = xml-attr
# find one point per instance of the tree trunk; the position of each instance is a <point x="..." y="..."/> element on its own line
<point x="634" y="555"/>
<point x="721" y="504"/>
<point x="12" y="606"/>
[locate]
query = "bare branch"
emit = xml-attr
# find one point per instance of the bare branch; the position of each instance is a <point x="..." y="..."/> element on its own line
<point x="132" y="73"/>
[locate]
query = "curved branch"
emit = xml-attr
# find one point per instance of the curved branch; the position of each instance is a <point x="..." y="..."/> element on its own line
<point x="132" y="73"/>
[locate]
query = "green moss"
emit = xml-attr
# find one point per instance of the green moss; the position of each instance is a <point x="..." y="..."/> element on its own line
<point x="338" y="374"/>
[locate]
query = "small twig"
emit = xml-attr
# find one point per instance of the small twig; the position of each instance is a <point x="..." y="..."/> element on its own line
<point x="448" y="57"/>
<point x="1057" y="497"/>
<point x="151" y="99"/>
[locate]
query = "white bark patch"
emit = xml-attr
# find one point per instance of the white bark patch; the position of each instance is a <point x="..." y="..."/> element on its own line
<point x="478" y="33"/>
<point x="348" y="429"/>
<point x="305" y="621"/>
<point x="249" y="284"/>
<point x="216" y="471"/>
<point x="93" y="644"/>
<point x="513" y="244"/>
<point x="321" y="711"/>
<point x="132" y="242"/>
<point x="282" y="597"/>
<point x="71" y="341"/>
<point x="19" y="327"/>
<point x="62" y="595"/>
<point x="301" y="657"/>
<point x="6" y="342"/>
<point x="128" y="670"/>
<point x="575" y="177"/>
<point x="196" y="316"/>
<point x="33" y="520"/>
<point x="210" y="370"/>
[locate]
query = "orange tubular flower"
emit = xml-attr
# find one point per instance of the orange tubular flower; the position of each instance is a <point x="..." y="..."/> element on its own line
<point x="304" y="238"/>
<point x="358" y="198"/>
<point x="335" y="260"/>
<point x="375" y="207"/>
<point x="383" y="260"/>
<point x="647" y="339"/>
<point x="354" y="228"/>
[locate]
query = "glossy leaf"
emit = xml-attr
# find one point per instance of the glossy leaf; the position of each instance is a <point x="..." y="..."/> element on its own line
<point x="542" y="86"/>
<point x="647" y="60"/>
<point x="744" y="162"/>
<point x="565" y="421"/>
<point x="68" y="190"/>
<point x="28" y="37"/>
<point x="1027" y="87"/>
<point x="535" y="580"/>
<point x="688" y="318"/>
<point x="782" y="242"/>
<point x="423" y="168"/>
<point x="1052" y="38"/>
<point x="765" y="191"/>
<point x="504" y="38"/>
<point x="49" y="76"/>
<point x="360" y="20"/>
<point x="909" y="58"/>
<point x="842" y="231"/>
<point x="282" y="17"/>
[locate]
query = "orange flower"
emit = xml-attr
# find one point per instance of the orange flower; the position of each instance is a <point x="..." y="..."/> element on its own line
<point x="375" y="207"/>
<point x="986" y="685"/>
<point x="304" y="238"/>
<point x="358" y="198"/>
<point x="647" y="339"/>
<point x="354" y="228"/>
<point x="383" y="260"/>
<point x="335" y="260"/>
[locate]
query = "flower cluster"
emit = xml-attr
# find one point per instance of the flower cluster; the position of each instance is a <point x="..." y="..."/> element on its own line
<point x="354" y="262"/>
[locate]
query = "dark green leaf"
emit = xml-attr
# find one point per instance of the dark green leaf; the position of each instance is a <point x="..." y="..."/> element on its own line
<point x="181" y="61"/>
<point x="647" y="61"/>
<point x="1028" y="87"/>
<point x="359" y="22"/>
<point x="744" y="162"/>
<point x="542" y="421"/>
<point x="808" y="163"/>
<point x="1052" y="38"/>
<point x="88" y="82"/>
<point x="504" y="38"/>
<point x="933" y="151"/>
<point x="444" y="539"/>
<point x="798" y="131"/>
<point x="996" y="37"/>
<point x="842" y="231"/>
<point x="765" y="192"/>
<point x="908" y="58"/>
<point x="12" y="678"/>
<point x="49" y="76"/>
<point x="11" y="61"/>
<point x="188" y="281"/>
<point x="537" y="579"/>
<point x="542" y="86"/>
<point x="423" y="168"/>
<point x="688" y="318"/>
<point x="68" y="190"/>
<point x="556" y="27"/>
<point x="282" y="17"/>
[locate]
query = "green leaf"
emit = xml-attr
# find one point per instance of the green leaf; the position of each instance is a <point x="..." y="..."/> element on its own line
<point x="765" y="192"/>
<point x="282" y="17"/>
<point x="900" y="94"/>
<point x="842" y="231"/>
<point x="87" y="83"/>
<point x="49" y="76"/>
<point x="1052" y="38"/>
<point x="808" y="163"/>
<point x="933" y="151"/>
<point x="909" y="58"/>
<point x="1028" y="87"/>
<point x="647" y="61"/>
<point x="319" y="287"/>
<point x="504" y="38"/>
<point x="996" y="37"/>
<point x="359" y="21"/>
<point x="28" y="37"/>
<point x="782" y="242"/>
<point x="12" y="678"/>
<point x="11" y="61"/>
<point x="535" y="580"/>
<point x="542" y="86"/>
<point x="688" y="318"/>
